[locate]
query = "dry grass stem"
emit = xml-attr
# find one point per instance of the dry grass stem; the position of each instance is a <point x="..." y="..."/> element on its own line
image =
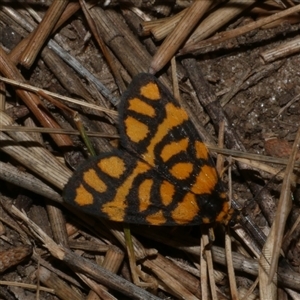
<point x="251" y="156"/>
<point x="283" y="50"/>
<point x="55" y="95"/>
<point x="31" y="100"/>
<point x="215" y="21"/>
<point x="97" y="291"/>
<point x="203" y="270"/>
<point x="224" y="36"/>
<point x="36" y="157"/>
<point x="173" y="285"/>
<point x="54" y="282"/>
<point x="14" y="256"/>
<point x="104" y="49"/>
<point x="42" y="32"/>
<point x="2" y="96"/>
<point x="57" y="131"/>
<point x="27" y="286"/>
<point x="208" y="256"/>
<point x="172" y="43"/>
<point x="283" y="210"/>
<point x="131" y="55"/>
<point x="28" y="181"/>
<point x="113" y="259"/>
<point x="161" y="28"/>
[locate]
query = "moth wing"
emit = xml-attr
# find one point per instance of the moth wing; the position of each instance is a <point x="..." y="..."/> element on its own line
<point x="121" y="188"/>
<point x="156" y="129"/>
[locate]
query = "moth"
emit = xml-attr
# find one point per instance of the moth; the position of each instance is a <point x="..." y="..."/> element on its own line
<point x="163" y="175"/>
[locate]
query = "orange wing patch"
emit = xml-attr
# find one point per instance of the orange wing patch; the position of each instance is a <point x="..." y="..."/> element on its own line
<point x="157" y="218"/>
<point x="182" y="170"/>
<point x="136" y="130"/>
<point x="187" y="210"/>
<point x="113" y="166"/>
<point x="174" y="148"/>
<point x="205" y="181"/>
<point x="83" y="197"/>
<point x="167" y="192"/>
<point x="138" y="106"/>
<point x="151" y="91"/>
<point x="144" y="195"/>
<point x="91" y="178"/>
<point x="201" y="151"/>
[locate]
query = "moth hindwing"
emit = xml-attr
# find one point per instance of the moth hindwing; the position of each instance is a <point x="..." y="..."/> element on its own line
<point x="163" y="176"/>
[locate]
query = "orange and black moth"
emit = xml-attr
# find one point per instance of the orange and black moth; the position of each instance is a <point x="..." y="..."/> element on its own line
<point x="163" y="176"/>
